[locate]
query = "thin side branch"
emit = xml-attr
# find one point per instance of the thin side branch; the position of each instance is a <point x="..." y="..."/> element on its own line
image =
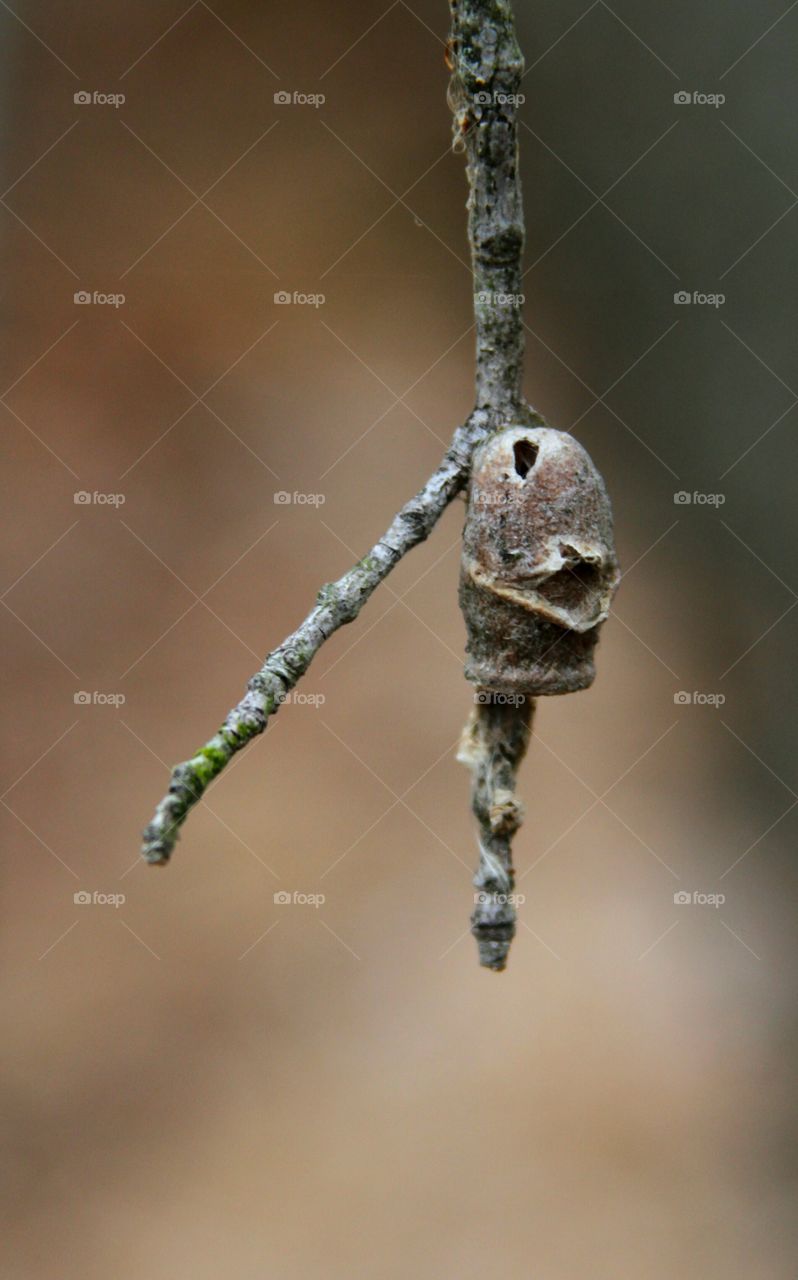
<point x="337" y="603"/>
<point x="487" y="68"/>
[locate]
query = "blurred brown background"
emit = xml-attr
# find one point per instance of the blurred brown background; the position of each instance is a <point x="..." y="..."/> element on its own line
<point x="202" y="1081"/>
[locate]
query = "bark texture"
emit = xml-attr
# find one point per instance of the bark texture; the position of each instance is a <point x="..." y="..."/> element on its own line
<point x="493" y="745"/>
<point x="487" y="68"/>
<point x="486" y="77"/>
<point x="486" y="65"/>
<point x="337" y="603"/>
<point x="538" y="568"/>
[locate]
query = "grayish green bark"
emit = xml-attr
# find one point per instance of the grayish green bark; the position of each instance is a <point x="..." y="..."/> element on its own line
<point x="493" y="745"/>
<point x="487" y="71"/>
<point x="337" y="603"/>
<point x="487" y="68"/>
<point x="486" y="77"/>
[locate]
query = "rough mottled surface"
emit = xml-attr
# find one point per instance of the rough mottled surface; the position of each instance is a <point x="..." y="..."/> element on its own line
<point x="507" y="639"/>
<point x="487" y="65"/>
<point x="538" y="568"/>
<point x="492" y="746"/>
<point x="486" y="77"/>
<point x="337" y="603"/>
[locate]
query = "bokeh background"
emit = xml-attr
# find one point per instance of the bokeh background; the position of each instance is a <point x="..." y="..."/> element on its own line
<point x="201" y="1080"/>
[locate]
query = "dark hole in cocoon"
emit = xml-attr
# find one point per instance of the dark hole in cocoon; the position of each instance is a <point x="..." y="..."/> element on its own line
<point x="526" y="455"/>
<point x="569" y="584"/>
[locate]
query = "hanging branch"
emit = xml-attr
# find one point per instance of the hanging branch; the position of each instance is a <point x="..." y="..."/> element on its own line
<point x="487" y="70"/>
<point x="493" y="745"/>
<point x="538" y="567"/>
<point x="487" y="66"/>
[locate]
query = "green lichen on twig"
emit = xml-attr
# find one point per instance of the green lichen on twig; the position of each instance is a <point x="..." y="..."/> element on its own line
<point x="337" y="604"/>
<point x="487" y="68"/>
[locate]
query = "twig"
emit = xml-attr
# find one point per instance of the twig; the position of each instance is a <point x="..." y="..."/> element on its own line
<point x="493" y="745"/>
<point x="487" y="67"/>
<point x="487" y="72"/>
<point x="337" y="603"/>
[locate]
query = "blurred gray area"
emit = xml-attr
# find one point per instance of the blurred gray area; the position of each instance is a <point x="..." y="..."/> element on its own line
<point x="201" y="1079"/>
